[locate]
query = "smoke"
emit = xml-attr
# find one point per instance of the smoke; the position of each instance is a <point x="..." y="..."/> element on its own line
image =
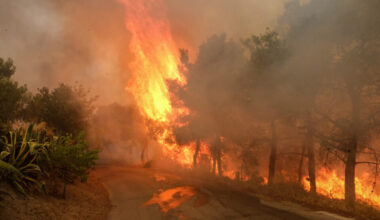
<point x="54" y="42"/>
<point x="195" y="21"/>
<point x="121" y="132"/>
<point x="86" y="42"/>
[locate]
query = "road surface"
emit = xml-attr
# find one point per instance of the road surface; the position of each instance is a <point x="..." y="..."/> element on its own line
<point x="140" y="194"/>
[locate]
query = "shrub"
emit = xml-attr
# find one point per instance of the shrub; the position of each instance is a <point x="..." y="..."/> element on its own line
<point x="27" y="157"/>
<point x="70" y="158"/>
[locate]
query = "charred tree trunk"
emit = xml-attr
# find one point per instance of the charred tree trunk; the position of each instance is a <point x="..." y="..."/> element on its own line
<point x="349" y="182"/>
<point x="300" y="166"/>
<point x="143" y="154"/>
<point x="197" y="148"/>
<point x="311" y="161"/>
<point x="213" y="165"/>
<point x="219" y="161"/>
<point x="273" y="154"/>
<point x="144" y="148"/>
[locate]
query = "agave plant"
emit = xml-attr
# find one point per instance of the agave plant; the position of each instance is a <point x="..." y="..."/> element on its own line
<point x="18" y="160"/>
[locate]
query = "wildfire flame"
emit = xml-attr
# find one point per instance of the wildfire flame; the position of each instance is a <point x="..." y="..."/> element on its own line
<point x="330" y="184"/>
<point x="156" y="61"/>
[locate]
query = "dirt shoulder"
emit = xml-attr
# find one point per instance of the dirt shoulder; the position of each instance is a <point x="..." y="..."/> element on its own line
<point x="88" y="201"/>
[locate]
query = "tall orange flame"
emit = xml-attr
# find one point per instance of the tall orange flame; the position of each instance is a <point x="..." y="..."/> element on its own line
<point x="155" y="62"/>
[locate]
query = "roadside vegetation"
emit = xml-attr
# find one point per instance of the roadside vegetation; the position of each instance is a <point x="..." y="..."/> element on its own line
<point x="43" y="146"/>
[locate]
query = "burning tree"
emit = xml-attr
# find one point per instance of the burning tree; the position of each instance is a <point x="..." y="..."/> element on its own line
<point x="348" y="47"/>
<point x="209" y="94"/>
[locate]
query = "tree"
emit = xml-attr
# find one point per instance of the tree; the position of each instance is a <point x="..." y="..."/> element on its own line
<point x="12" y="96"/>
<point x="7" y="69"/>
<point x="210" y="95"/>
<point x="65" y="109"/>
<point x="348" y="45"/>
<point x="263" y="79"/>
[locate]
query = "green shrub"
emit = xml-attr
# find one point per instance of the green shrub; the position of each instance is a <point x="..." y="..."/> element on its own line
<point x="27" y="157"/>
<point x="70" y="157"/>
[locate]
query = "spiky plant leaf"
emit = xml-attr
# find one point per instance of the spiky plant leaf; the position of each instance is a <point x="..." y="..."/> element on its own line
<point x="4" y="154"/>
<point x="19" y="187"/>
<point x="9" y="167"/>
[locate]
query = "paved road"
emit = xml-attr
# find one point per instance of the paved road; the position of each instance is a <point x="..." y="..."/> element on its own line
<point x="141" y="194"/>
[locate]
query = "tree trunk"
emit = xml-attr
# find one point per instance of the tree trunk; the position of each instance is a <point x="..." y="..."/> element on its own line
<point x="300" y="166"/>
<point x="349" y="182"/>
<point x="145" y="146"/>
<point x="219" y="161"/>
<point x="197" y="148"/>
<point x="273" y="155"/>
<point x="311" y="161"/>
<point x="213" y="165"/>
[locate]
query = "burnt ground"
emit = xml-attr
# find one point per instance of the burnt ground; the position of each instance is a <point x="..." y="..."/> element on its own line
<point x="138" y="193"/>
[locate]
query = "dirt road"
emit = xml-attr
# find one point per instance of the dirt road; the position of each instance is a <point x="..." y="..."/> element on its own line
<point x="138" y="193"/>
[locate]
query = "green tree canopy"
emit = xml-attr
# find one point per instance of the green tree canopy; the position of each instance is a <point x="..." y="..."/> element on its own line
<point x="12" y="96"/>
<point x="65" y="109"/>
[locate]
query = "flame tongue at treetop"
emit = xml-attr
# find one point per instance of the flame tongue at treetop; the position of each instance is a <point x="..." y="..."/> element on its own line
<point x="155" y="61"/>
<point x="155" y="58"/>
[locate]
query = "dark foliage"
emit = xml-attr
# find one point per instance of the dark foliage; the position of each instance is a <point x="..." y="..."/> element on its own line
<point x="65" y="109"/>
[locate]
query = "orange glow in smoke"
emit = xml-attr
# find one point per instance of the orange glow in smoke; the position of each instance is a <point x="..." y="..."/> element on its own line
<point x="155" y="61"/>
<point x="332" y="185"/>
